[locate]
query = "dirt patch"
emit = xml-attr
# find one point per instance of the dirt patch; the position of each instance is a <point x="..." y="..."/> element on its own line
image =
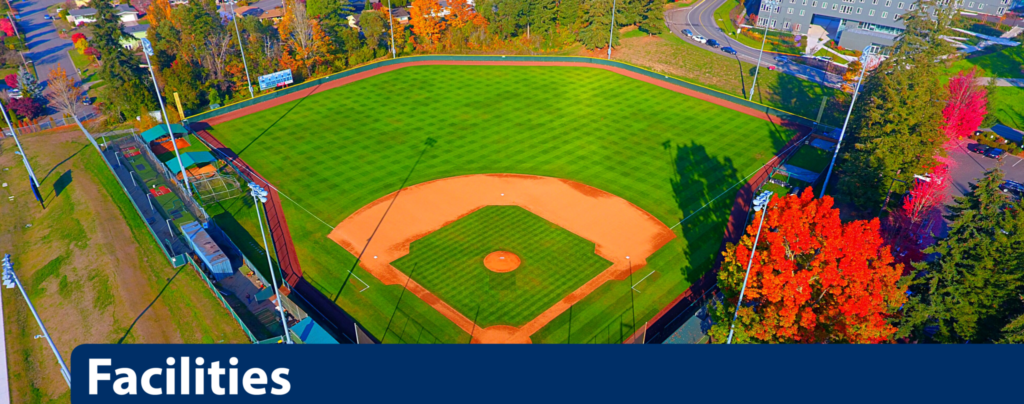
<point x="618" y="229"/>
<point x="502" y="261"/>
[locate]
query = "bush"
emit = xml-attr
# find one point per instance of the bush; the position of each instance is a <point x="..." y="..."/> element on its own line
<point x="26" y="107"/>
<point x="15" y="43"/>
<point x="77" y="36"/>
<point x="998" y="142"/>
<point x="11" y="80"/>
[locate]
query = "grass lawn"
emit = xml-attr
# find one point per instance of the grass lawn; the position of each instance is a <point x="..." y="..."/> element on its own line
<point x="1008" y="104"/>
<point x="810" y="158"/>
<point x="722" y="16"/>
<point x="449" y="262"/>
<point x="665" y="152"/>
<point x="91" y="267"/>
<point x="1006" y="63"/>
<point x="691" y="61"/>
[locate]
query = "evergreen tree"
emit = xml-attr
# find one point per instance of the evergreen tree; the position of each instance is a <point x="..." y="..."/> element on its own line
<point x="596" y="16"/>
<point x="543" y="17"/>
<point x="897" y="129"/>
<point x="125" y="89"/>
<point x="971" y="290"/>
<point x="28" y="84"/>
<point x="654" y="17"/>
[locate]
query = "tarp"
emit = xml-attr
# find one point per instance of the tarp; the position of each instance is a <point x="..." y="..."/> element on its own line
<point x="160" y="131"/>
<point x="312" y="333"/>
<point x="188" y="160"/>
<point x="207" y="250"/>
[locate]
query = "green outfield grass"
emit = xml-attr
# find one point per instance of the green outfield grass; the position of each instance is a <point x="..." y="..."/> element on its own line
<point x="334" y="152"/>
<point x="449" y="263"/>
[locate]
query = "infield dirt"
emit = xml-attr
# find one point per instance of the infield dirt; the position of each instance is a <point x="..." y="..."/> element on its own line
<point x="382" y="231"/>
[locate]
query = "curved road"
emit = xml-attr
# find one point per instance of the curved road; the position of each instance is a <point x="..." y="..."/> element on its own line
<point x="700" y="19"/>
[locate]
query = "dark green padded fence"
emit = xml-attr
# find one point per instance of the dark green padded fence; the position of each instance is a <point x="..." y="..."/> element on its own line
<point x="554" y="59"/>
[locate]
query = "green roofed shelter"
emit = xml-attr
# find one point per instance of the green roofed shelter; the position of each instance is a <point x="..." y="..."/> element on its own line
<point x="188" y="160"/>
<point x="160" y="131"/>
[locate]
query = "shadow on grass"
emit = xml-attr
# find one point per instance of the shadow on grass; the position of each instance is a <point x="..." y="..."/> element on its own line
<point x="698" y="179"/>
<point x="427" y="144"/>
<point x="171" y="279"/>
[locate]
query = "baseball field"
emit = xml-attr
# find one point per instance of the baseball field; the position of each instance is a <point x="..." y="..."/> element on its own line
<point x="579" y="175"/>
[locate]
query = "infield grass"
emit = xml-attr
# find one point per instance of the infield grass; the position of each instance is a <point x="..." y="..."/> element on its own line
<point x="334" y="152"/>
<point x="449" y="263"/>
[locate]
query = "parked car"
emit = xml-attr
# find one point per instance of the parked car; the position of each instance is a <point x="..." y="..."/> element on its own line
<point x="771" y="67"/>
<point x="781" y="59"/>
<point x="729" y="50"/>
<point x="687" y="32"/>
<point x="713" y="43"/>
<point x="823" y="58"/>
<point x="978" y="148"/>
<point x="1013" y="188"/>
<point x="47" y="17"/>
<point x="995" y="153"/>
<point x="699" y="38"/>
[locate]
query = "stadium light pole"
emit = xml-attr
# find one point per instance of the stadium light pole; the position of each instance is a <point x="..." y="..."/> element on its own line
<point x="611" y="32"/>
<point x="24" y="158"/>
<point x="259" y="196"/>
<point x="10" y="280"/>
<point x="147" y="48"/>
<point x="732" y="327"/>
<point x="831" y="165"/>
<point x="242" y="48"/>
<point x="391" y="23"/>
<point x="757" y="68"/>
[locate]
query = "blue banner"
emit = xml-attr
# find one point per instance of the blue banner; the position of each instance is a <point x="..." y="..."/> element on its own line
<point x="197" y="374"/>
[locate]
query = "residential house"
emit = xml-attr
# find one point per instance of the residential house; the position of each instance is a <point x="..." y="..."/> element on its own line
<point x="136" y="32"/>
<point x="353" y="21"/>
<point x="274" y="15"/>
<point x="87" y="15"/>
<point x="247" y="11"/>
<point x="402" y="15"/>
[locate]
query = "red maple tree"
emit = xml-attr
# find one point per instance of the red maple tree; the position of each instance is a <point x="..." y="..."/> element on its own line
<point x="813" y="278"/>
<point x="913" y="224"/>
<point x="966" y="107"/>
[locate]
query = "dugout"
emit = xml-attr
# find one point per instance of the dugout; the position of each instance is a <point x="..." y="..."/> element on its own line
<point x="209" y="251"/>
<point x="160" y="142"/>
<point x="312" y="333"/>
<point x="197" y="164"/>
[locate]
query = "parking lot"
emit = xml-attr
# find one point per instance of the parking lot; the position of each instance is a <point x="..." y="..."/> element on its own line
<point x="972" y="166"/>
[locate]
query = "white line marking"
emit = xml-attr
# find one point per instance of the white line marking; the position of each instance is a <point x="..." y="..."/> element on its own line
<point x="641" y="280"/>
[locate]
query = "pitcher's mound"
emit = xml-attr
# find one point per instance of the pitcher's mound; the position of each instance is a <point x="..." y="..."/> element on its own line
<point x="501" y="261"/>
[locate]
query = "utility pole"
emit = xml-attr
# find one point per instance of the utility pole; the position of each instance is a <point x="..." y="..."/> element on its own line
<point x="24" y="158"/>
<point x="757" y="68"/>
<point x="732" y="326"/>
<point x="241" y="47"/>
<point x="10" y="280"/>
<point x="259" y="197"/>
<point x="391" y="23"/>
<point x="611" y="32"/>
<point x="831" y="165"/>
<point x="147" y="47"/>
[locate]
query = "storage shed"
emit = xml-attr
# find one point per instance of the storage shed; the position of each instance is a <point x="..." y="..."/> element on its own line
<point x="208" y="251"/>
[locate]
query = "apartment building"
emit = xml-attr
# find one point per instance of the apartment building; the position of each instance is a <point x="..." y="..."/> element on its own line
<point x="855" y="24"/>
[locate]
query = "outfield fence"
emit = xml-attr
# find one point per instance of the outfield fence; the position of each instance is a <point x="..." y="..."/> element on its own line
<point x="312" y="84"/>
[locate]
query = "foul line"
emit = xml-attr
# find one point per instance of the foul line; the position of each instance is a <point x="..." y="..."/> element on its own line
<point x="641" y="280"/>
<point x="742" y="181"/>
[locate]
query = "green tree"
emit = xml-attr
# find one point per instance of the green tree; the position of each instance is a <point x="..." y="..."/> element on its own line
<point x="126" y="91"/>
<point x="971" y="290"/>
<point x="373" y="27"/>
<point x="653" y="21"/>
<point x="896" y="131"/>
<point x="28" y="84"/>
<point x="596" y="17"/>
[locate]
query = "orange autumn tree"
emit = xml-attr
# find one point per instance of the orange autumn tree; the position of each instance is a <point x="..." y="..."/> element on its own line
<point x="461" y="13"/>
<point x="813" y="279"/>
<point x="306" y="45"/>
<point x="424" y="15"/>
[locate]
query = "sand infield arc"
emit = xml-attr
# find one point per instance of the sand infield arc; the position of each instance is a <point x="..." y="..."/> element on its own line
<point x="618" y="229"/>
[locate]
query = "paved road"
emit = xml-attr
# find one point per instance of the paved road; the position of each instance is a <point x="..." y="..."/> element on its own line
<point x="46" y="49"/>
<point x="701" y="20"/>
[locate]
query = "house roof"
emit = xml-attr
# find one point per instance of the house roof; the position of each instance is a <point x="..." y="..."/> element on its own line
<point x="132" y="29"/>
<point x="248" y="10"/>
<point x="82" y="12"/>
<point x="189" y="159"/>
<point x="277" y="12"/>
<point x="160" y="131"/>
<point x="125" y="9"/>
<point x="401" y="13"/>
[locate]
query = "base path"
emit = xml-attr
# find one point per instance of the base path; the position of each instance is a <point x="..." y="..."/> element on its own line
<point x="382" y="231"/>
